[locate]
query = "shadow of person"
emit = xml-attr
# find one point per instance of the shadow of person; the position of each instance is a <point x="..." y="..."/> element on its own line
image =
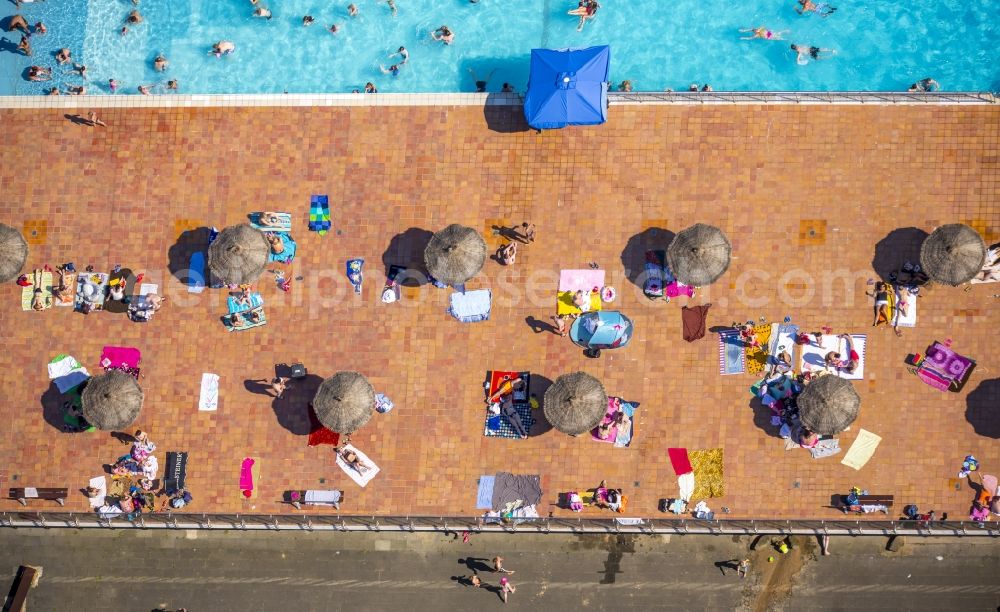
<point x="633" y="257"/>
<point x="732" y="564"/>
<point x="538" y="326"/>
<point x="53" y="409"/>
<point x="260" y="386"/>
<point x="477" y="564"/>
<point x="123" y="437"/>
<point x="898" y="247"/>
<point x="983" y="408"/>
<point x="179" y="256"/>
<point x="292" y="410"/>
<point x="79" y="120"/>
<point x="406" y="250"/>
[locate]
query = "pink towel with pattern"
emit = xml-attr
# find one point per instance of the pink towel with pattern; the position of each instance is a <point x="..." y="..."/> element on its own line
<point x="246" y="475"/>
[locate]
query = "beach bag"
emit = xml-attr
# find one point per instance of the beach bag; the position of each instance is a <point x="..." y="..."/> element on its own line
<point x="382" y="403"/>
<point x="911" y="512"/>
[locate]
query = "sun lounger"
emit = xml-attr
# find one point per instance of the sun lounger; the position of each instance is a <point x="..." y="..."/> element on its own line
<point x="471" y="306"/>
<point x="284" y="222"/>
<point x="90" y="290"/>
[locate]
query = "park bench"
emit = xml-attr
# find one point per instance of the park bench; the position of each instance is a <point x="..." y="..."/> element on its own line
<point x="18" y="594"/>
<point x="25" y="493"/>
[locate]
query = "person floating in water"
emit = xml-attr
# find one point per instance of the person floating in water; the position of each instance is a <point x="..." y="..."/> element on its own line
<point x="763" y="33"/>
<point x="370" y="87"/>
<point x="161" y="63"/>
<point x="403" y="53"/>
<point x="808" y="6"/>
<point x="263" y="12"/>
<point x="586" y="9"/>
<point x="393" y="70"/>
<point x="223" y="47"/>
<point x="804" y="52"/>
<point x="924" y="85"/>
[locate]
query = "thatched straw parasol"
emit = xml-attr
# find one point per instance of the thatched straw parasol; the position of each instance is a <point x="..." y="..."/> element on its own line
<point x="575" y="403"/>
<point x="13" y="253"/>
<point x="238" y="255"/>
<point x="828" y="405"/>
<point x="953" y="254"/>
<point x="112" y="401"/>
<point x="344" y="402"/>
<point x="455" y="254"/>
<point x="699" y="255"/>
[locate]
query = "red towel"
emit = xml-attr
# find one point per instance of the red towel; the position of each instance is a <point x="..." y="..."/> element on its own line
<point x="693" y="321"/>
<point x="679" y="460"/>
<point x="319" y="435"/>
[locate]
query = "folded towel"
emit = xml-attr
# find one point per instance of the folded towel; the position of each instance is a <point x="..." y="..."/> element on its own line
<point x="861" y="450"/>
<point x="100" y="483"/>
<point x="685" y="482"/>
<point x="484" y="493"/>
<point x="209" y="398"/>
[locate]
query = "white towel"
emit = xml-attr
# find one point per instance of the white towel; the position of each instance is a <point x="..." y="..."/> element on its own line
<point x="860" y="343"/>
<point x="100" y="483"/>
<point x="315" y="496"/>
<point x="63" y="367"/>
<point x="862" y="450"/>
<point x="814" y="355"/>
<point x="147" y="288"/>
<point x="209" y="399"/>
<point x="910" y="320"/>
<point x="356" y="476"/>
<point x="686" y="484"/>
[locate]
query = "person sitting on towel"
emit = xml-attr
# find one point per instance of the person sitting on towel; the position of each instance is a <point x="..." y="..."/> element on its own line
<point x="505" y="388"/>
<point x="507" y="409"/>
<point x="581" y="299"/>
<point x="507" y="254"/>
<point x="352" y="459"/>
<point x="277" y="244"/>
<point x="808" y="439"/>
<point x="269" y="219"/>
<point x="853" y="359"/>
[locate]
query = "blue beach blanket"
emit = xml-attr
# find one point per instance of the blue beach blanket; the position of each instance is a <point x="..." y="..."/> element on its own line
<point x="355" y="273"/>
<point x="319" y="214"/>
<point x="196" y="272"/>
<point x="498" y="427"/>
<point x="471" y="306"/>
<point x="484" y="494"/>
<point x="288" y="254"/>
<point x="234" y="306"/>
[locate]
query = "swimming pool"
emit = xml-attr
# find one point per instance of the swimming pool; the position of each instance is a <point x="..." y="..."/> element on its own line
<point x="881" y="46"/>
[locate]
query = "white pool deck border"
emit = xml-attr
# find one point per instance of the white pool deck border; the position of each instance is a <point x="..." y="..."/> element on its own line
<point x="489" y="99"/>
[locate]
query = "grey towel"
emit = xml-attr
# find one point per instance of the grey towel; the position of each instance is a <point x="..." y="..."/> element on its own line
<point x="509" y="487"/>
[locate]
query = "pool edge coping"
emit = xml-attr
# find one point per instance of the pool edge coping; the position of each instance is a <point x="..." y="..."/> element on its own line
<point x="492" y="99"/>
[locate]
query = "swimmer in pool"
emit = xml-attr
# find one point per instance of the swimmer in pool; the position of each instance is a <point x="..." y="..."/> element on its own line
<point x="161" y="63"/>
<point x="263" y="12"/>
<point x="922" y="85"/>
<point x="134" y="17"/>
<point x="352" y="10"/>
<point x="81" y="69"/>
<point x="308" y="20"/>
<point x="370" y="87"/>
<point x="172" y="84"/>
<point x="333" y="29"/>
<point x="808" y="6"/>
<point x="804" y="52"/>
<point x="393" y="70"/>
<point x="113" y="85"/>
<point x="144" y="90"/>
<point x="223" y="47"/>
<point x="403" y="53"/>
<point x="481" y="83"/>
<point x="64" y="56"/>
<point x="763" y="33"/>
<point x="443" y="34"/>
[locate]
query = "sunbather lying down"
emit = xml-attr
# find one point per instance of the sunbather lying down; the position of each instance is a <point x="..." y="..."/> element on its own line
<point x="269" y="219"/>
<point x="352" y="459"/>
<point x="277" y="244"/>
<point x="38" y="297"/>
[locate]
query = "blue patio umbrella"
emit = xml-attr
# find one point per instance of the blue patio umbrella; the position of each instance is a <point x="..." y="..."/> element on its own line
<point x="567" y="87"/>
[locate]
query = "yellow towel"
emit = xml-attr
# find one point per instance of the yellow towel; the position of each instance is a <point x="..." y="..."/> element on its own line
<point x="27" y="293"/>
<point x="862" y="450"/>
<point x="757" y="358"/>
<point x="708" y="473"/>
<point x="565" y="305"/>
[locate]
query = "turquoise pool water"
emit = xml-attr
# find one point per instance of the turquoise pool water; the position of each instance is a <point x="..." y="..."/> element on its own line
<point x="657" y="44"/>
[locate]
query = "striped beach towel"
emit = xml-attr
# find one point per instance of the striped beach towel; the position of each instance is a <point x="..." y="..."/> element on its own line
<point x="284" y="222"/>
<point x="732" y="358"/>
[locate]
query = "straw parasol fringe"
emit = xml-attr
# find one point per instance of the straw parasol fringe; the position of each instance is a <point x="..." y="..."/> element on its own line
<point x="828" y="405"/>
<point x="112" y="401"/>
<point x="344" y="402"/>
<point x="953" y="254"/>
<point x="575" y="403"/>
<point x="13" y="253"/>
<point x="455" y="254"/>
<point x="238" y="255"/>
<point x="699" y="255"/>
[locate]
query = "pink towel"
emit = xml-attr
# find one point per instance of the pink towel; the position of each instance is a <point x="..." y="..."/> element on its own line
<point x="118" y="356"/>
<point x="246" y="476"/>
<point x="679" y="459"/>
<point x="580" y="280"/>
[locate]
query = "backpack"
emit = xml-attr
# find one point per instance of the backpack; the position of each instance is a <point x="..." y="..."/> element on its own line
<point x="911" y="512"/>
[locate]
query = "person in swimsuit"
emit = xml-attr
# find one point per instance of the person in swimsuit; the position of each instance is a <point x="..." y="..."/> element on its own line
<point x="443" y="34"/>
<point x="924" y="85"/>
<point x="370" y="87"/>
<point x="38" y="296"/>
<point x="804" y="52"/>
<point x="403" y="53"/>
<point x="17" y="22"/>
<point x="586" y="9"/>
<point x="481" y="83"/>
<point x="40" y="28"/>
<point x="808" y="6"/>
<point x="507" y="254"/>
<point x="223" y="47"/>
<point x="134" y="17"/>
<point x="764" y="33"/>
<point x="853" y="359"/>
<point x="277" y="244"/>
<point x="881" y="295"/>
<point x="160" y="63"/>
<point x="269" y="219"/>
<point x="393" y="70"/>
<point x="351" y="458"/>
<point x="808" y="439"/>
<point x="625" y="86"/>
<point x="505" y="388"/>
<point x="308" y="20"/>
<point x="64" y="56"/>
<point x="39" y="73"/>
